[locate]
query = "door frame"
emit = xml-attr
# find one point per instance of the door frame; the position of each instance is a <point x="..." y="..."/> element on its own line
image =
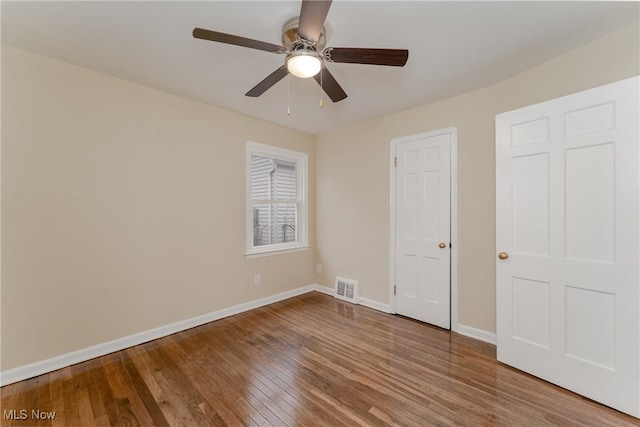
<point x="453" y="132"/>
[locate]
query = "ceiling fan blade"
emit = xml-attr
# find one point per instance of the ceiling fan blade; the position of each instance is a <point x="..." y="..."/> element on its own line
<point x="215" y="36"/>
<point x="312" y="16"/>
<point x="355" y="55"/>
<point x="330" y="85"/>
<point x="269" y="81"/>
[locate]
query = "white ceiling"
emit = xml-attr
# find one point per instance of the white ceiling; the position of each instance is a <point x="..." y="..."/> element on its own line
<point x="454" y="47"/>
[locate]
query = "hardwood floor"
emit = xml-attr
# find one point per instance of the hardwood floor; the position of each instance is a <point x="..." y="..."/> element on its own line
<point x="311" y="360"/>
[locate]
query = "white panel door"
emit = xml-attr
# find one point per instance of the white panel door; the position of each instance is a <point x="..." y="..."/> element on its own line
<point x="568" y="238"/>
<point x="423" y="228"/>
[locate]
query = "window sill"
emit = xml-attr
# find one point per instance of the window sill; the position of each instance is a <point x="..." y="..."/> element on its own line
<point x="259" y="253"/>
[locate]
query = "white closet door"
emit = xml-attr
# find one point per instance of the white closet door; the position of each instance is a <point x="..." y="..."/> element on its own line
<point x="423" y="228"/>
<point x="567" y="218"/>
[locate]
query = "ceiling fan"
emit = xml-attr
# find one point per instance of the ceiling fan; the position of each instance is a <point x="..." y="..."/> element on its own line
<point x="304" y="46"/>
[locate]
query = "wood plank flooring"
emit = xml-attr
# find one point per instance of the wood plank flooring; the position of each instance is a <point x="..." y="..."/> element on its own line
<point x="311" y="360"/>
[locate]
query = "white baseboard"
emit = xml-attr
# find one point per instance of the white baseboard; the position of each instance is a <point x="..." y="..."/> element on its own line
<point x="324" y="289"/>
<point x="41" y="367"/>
<point x="479" y="334"/>
<point x="385" y="308"/>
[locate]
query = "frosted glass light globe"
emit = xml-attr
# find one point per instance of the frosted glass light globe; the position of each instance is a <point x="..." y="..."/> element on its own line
<point x="304" y="65"/>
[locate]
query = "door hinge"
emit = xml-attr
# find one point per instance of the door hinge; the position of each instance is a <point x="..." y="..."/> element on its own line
<point x="395" y="162"/>
<point x="394" y="289"/>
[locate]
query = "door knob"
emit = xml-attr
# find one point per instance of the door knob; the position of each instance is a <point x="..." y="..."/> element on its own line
<point x="442" y="245"/>
<point x="503" y="255"/>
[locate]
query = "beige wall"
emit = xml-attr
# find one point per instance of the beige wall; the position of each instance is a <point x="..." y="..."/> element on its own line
<point x="353" y="173"/>
<point x="123" y="209"/>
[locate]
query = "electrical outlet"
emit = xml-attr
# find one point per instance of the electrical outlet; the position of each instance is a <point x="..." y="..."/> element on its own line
<point x="318" y="269"/>
<point x="256" y="279"/>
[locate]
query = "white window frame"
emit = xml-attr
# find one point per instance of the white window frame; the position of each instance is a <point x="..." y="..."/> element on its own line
<point x="302" y="227"/>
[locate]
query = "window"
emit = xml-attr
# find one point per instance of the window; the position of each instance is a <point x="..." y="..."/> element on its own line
<point x="276" y="200"/>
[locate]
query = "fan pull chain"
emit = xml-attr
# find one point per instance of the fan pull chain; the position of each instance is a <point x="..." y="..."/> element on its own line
<point x="288" y="94"/>
<point x="321" y="89"/>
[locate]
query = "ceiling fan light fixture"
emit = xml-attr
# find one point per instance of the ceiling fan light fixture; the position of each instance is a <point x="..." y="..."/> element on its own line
<point x="303" y="64"/>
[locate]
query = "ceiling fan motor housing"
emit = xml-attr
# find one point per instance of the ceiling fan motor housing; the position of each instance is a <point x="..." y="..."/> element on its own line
<point x="303" y="56"/>
<point x="292" y="41"/>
